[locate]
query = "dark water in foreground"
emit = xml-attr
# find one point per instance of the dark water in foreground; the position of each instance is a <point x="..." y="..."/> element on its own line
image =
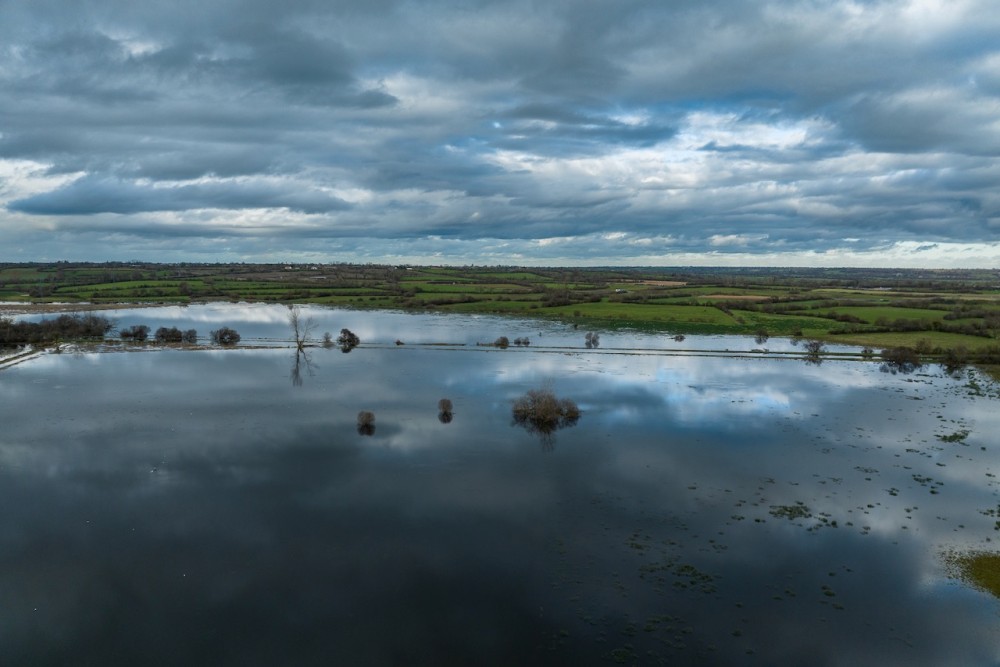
<point x="201" y="508"/>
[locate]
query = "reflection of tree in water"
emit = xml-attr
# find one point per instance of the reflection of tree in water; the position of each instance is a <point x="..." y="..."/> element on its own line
<point x="814" y="352"/>
<point x="900" y="360"/>
<point x="542" y="413"/>
<point x="302" y="360"/>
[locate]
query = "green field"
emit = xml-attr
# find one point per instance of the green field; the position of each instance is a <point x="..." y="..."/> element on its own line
<point x="937" y="310"/>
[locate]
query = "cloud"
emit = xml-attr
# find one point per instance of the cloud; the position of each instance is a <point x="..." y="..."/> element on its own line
<point x="87" y="196"/>
<point x="764" y="127"/>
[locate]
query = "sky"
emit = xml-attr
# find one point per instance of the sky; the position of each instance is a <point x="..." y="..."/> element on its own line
<point x="509" y="132"/>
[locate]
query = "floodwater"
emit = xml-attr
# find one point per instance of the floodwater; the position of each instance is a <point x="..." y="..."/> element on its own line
<point x="221" y="507"/>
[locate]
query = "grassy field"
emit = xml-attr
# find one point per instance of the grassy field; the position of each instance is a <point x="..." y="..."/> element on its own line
<point x="933" y="310"/>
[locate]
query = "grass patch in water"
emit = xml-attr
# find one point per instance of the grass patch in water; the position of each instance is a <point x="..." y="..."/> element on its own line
<point x="979" y="569"/>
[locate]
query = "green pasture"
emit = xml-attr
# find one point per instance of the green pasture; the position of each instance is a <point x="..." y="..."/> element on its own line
<point x="943" y="340"/>
<point x="467" y="288"/>
<point x="643" y="312"/>
<point x="783" y="325"/>
<point x="871" y="314"/>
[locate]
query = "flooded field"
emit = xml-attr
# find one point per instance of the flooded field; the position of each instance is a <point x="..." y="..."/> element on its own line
<point x="214" y="506"/>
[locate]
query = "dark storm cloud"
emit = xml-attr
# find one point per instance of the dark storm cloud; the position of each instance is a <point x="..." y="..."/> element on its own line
<point x="88" y="196"/>
<point x="726" y="127"/>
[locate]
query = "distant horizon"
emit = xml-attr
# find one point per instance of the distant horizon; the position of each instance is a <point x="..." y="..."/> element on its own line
<point x="652" y="267"/>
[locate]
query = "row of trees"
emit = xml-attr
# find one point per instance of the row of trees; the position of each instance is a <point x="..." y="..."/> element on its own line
<point x="96" y="327"/>
<point x="140" y="333"/>
<point x="63" y="327"/>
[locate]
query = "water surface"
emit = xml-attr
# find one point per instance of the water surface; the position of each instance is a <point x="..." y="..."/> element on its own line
<point x="210" y="507"/>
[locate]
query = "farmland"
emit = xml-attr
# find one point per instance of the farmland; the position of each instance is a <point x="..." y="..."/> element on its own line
<point x="930" y="310"/>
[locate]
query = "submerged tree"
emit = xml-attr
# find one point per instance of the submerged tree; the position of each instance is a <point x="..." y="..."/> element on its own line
<point x="225" y="336"/>
<point x="955" y="359"/>
<point x="444" y="411"/>
<point x="592" y="340"/>
<point x="541" y="412"/>
<point x="302" y="327"/>
<point x="366" y="422"/>
<point x="761" y="336"/>
<point x="899" y="360"/>
<point x="137" y="332"/>
<point x="814" y="351"/>
<point x="169" y="335"/>
<point x="347" y="340"/>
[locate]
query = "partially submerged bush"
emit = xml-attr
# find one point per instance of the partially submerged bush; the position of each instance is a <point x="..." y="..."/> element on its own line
<point x="814" y="351"/>
<point x="540" y="411"/>
<point x="814" y="347"/>
<point x="171" y="335"/>
<point x="366" y="422"/>
<point x="138" y="332"/>
<point x="900" y="360"/>
<point x="502" y="342"/>
<point x="225" y="336"/>
<point x="592" y="340"/>
<point x="955" y="359"/>
<point x="347" y="340"/>
<point x="444" y="411"/>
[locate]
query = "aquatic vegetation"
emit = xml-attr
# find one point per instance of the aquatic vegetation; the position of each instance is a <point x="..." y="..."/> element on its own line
<point x="797" y="511"/>
<point x="980" y="569"/>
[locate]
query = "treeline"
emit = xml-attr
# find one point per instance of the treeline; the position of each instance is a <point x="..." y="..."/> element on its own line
<point x="76" y="327"/>
<point x="64" y="327"/>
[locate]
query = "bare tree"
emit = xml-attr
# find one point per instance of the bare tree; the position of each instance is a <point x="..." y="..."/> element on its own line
<point x="302" y="327"/>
